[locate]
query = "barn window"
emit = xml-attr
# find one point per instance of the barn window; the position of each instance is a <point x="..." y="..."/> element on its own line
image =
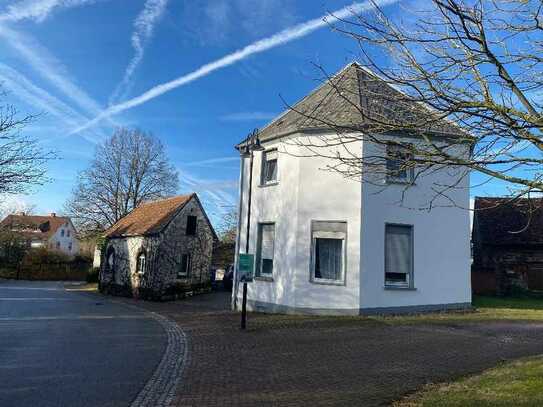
<point x="185" y="266"/>
<point x="191" y="225"/>
<point x="142" y="263"/>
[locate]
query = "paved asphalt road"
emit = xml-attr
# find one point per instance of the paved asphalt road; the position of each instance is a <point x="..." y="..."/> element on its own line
<point x="60" y="348"/>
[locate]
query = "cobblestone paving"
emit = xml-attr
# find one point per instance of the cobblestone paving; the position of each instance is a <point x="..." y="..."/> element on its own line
<point x="327" y="361"/>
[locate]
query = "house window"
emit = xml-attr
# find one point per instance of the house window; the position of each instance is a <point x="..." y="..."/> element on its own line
<point x="399" y="164"/>
<point x="142" y="263"/>
<point x="68" y="233"/>
<point x="111" y="259"/>
<point x="62" y="233"/>
<point x="399" y="256"/>
<point x="192" y="221"/>
<point x="70" y="247"/>
<point x="328" y="252"/>
<point x="58" y="245"/>
<point x="269" y="167"/>
<point x="185" y="266"/>
<point x="265" y="249"/>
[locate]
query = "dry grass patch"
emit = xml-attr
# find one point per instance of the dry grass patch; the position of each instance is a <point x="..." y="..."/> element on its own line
<point x="518" y="383"/>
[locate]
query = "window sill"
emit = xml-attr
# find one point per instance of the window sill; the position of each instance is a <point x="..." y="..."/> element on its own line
<point x="399" y="182"/>
<point x="269" y="184"/>
<point x="263" y="278"/>
<point x="328" y="282"/>
<point x="399" y="288"/>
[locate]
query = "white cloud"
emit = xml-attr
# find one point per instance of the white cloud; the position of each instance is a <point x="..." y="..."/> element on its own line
<point x="143" y="31"/>
<point x="283" y="37"/>
<point x="217" y="196"/>
<point x="211" y="162"/>
<point x="37" y="10"/>
<point x="247" y="116"/>
<point x="21" y="87"/>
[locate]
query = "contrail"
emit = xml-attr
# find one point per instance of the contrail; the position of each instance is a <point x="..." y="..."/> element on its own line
<point x="282" y="37"/>
<point x="144" y="26"/>
<point x="38" y="10"/>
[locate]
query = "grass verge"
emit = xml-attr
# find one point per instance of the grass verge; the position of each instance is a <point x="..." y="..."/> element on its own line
<point x="518" y="383"/>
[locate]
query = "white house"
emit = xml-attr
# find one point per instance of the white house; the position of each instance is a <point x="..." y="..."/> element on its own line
<point x="52" y="232"/>
<point x="328" y="244"/>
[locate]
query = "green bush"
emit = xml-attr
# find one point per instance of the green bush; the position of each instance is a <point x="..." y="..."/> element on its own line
<point x="92" y="275"/>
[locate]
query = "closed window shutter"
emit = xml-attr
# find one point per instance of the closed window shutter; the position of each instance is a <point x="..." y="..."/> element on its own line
<point x="266" y="249"/>
<point x="398" y="249"/>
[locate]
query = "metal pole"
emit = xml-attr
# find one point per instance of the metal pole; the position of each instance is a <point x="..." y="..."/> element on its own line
<point x="235" y="278"/>
<point x="244" y="300"/>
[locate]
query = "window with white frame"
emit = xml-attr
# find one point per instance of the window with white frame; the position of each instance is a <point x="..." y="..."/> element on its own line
<point x="399" y="256"/>
<point x="185" y="266"/>
<point x="269" y="167"/>
<point x="265" y="249"/>
<point x="399" y="164"/>
<point x="142" y="263"/>
<point x="328" y="251"/>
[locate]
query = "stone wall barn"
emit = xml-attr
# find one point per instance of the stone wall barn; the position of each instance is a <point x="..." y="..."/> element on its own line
<point x="160" y="250"/>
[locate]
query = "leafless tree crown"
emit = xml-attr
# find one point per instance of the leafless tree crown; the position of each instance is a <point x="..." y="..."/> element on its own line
<point x="127" y="169"/>
<point x="22" y="159"/>
<point x="458" y="73"/>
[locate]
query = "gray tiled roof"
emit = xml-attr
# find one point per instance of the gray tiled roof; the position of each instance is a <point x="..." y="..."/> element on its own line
<point x="355" y="99"/>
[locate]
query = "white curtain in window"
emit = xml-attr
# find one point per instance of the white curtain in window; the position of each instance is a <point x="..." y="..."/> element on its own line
<point x="398" y="249"/>
<point x="328" y="258"/>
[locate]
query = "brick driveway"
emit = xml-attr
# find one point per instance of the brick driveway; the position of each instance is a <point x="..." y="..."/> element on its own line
<point x="308" y="361"/>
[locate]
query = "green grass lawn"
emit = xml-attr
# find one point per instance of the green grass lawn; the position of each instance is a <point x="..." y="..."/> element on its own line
<point x="485" y="309"/>
<point x="518" y="383"/>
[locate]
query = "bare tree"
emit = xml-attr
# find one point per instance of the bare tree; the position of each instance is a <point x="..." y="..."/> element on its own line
<point x="461" y="73"/>
<point x="228" y="227"/>
<point x="10" y="206"/>
<point x="22" y="159"/>
<point x="128" y="168"/>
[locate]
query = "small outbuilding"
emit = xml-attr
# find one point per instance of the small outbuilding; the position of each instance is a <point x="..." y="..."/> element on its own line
<point x="507" y="240"/>
<point x="161" y="250"/>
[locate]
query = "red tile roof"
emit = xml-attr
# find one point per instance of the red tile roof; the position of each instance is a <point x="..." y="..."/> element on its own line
<point x="41" y="227"/>
<point x="148" y="218"/>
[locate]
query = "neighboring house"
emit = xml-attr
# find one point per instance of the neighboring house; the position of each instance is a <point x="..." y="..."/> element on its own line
<point x="324" y="243"/>
<point x="507" y="241"/>
<point x="56" y="233"/>
<point x="159" y="250"/>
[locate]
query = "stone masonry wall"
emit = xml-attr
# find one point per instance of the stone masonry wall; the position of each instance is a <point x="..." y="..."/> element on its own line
<point x="163" y="258"/>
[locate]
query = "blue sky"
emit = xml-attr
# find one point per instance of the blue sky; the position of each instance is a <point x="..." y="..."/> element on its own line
<point x="66" y="59"/>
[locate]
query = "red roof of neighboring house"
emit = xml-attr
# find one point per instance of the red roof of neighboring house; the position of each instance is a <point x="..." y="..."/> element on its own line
<point x="41" y="227"/>
<point x="148" y="218"/>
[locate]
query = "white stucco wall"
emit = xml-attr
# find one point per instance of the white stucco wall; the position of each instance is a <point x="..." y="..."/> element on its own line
<point x="306" y="192"/>
<point x="441" y="271"/>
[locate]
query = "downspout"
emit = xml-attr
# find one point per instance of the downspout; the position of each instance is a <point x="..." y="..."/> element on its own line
<point x="238" y="234"/>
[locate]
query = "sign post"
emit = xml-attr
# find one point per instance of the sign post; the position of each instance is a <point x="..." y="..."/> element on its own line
<point x="246" y="273"/>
